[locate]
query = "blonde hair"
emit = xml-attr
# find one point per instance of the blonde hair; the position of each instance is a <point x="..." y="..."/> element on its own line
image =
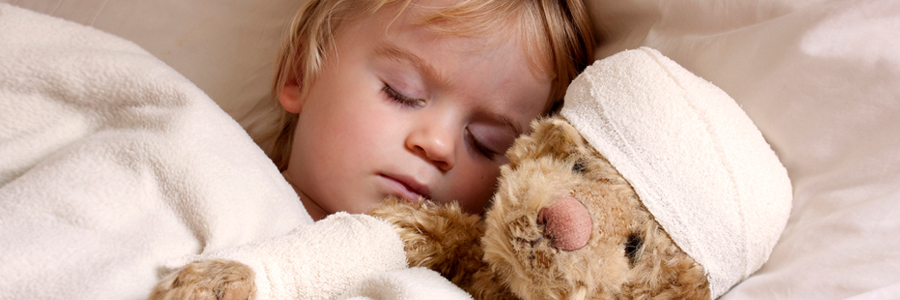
<point x="559" y="28"/>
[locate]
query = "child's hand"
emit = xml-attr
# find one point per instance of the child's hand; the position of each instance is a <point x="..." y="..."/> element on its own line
<point x="208" y="279"/>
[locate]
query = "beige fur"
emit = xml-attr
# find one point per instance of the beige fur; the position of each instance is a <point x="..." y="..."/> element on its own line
<point x="208" y="280"/>
<point x="508" y="253"/>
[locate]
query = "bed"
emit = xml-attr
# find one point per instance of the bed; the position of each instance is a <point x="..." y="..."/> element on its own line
<point x="820" y="79"/>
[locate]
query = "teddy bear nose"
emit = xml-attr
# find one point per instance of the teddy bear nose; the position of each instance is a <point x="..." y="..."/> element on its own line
<point x="567" y="223"/>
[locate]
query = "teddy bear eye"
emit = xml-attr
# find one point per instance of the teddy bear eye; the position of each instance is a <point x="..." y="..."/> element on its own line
<point x="578" y="167"/>
<point x="632" y="246"/>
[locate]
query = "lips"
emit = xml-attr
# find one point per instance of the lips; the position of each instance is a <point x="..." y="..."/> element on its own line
<point x="407" y="187"/>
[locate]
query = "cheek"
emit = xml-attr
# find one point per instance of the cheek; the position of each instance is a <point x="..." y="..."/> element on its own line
<point x="347" y="124"/>
<point x="353" y="144"/>
<point x="476" y="186"/>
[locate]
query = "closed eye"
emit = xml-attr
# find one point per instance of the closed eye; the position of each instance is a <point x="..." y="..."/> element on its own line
<point x="400" y="98"/>
<point x="491" y="138"/>
<point x="480" y="147"/>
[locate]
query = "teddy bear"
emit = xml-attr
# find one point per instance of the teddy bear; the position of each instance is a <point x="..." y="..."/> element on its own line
<point x="650" y="183"/>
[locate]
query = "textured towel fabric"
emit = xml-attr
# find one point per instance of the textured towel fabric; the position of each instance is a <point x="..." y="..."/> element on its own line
<point x="113" y="165"/>
<point x="695" y="159"/>
<point x="405" y="284"/>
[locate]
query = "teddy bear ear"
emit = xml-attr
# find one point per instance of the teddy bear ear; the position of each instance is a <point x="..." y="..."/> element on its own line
<point x="557" y="138"/>
<point x="552" y="136"/>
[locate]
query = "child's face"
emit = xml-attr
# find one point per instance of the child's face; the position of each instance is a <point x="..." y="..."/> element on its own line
<point x="407" y="111"/>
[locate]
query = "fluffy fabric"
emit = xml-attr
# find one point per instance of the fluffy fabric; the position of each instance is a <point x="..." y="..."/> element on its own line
<point x="407" y="284"/>
<point x="112" y="165"/>
<point x="693" y="156"/>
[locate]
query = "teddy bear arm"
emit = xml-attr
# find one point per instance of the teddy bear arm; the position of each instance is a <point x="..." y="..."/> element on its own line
<point x="440" y="237"/>
<point x="486" y="284"/>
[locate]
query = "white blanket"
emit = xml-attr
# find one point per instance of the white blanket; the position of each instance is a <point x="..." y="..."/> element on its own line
<point x="113" y="166"/>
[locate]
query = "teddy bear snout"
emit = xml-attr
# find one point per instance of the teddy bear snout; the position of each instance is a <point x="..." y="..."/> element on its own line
<point x="567" y="223"/>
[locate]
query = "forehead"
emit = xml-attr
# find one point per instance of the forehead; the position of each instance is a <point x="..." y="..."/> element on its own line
<point x="493" y="71"/>
<point x="494" y="21"/>
<point x="504" y="49"/>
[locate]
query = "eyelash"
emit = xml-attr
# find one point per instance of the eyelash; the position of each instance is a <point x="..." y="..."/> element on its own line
<point x="487" y="152"/>
<point x="400" y="98"/>
<point x="412" y="102"/>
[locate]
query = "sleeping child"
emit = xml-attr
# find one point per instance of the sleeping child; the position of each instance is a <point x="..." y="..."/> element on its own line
<point x="415" y="99"/>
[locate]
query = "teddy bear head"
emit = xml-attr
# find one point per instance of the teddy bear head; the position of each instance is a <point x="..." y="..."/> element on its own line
<point x="651" y="182"/>
<point x="566" y="225"/>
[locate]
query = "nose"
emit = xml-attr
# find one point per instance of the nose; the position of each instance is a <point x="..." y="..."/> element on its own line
<point x="433" y="142"/>
<point x="567" y="222"/>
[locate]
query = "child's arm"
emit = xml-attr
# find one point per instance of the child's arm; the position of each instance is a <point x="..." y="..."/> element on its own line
<point x="317" y="261"/>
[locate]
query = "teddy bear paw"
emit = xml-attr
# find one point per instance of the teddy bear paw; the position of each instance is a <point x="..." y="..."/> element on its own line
<point x="209" y="279"/>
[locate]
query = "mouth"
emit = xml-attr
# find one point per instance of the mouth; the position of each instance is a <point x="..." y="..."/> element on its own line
<point x="407" y="188"/>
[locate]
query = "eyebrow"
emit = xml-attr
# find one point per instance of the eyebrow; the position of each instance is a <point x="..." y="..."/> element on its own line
<point x="397" y="54"/>
<point x="403" y="56"/>
<point x="517" y="130"/>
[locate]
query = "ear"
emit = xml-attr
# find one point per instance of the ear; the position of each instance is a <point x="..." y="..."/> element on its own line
<point x="556" y="137"/>
<point x="290" y="98"/>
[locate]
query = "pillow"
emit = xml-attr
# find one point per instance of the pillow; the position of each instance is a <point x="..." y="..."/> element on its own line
<point x="820" y="81"/>
<point x="226" y="47"/>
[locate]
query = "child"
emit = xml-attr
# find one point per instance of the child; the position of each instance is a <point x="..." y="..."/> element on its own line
<point x="416" y="99"/>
